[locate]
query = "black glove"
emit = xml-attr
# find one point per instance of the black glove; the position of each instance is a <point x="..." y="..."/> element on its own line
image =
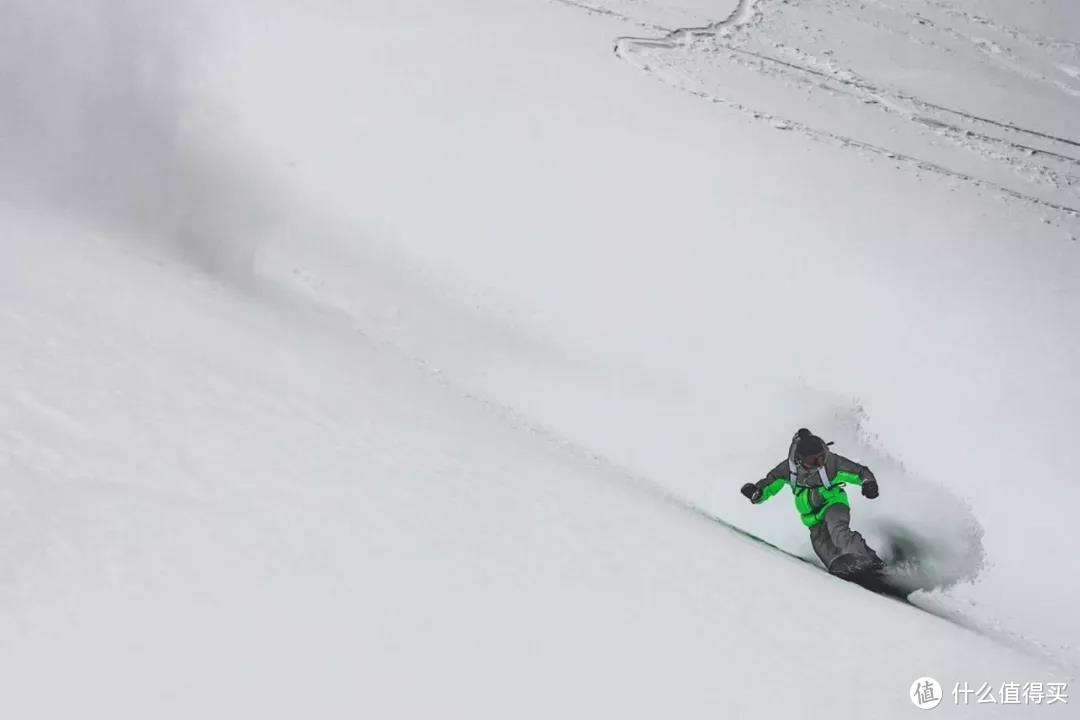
<point x="869" y="489"/>
<point x="751" y="491"/>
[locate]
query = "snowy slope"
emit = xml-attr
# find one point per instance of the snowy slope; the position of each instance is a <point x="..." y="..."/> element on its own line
<point x="382" y="423"/>
<point x="232" y="505"/>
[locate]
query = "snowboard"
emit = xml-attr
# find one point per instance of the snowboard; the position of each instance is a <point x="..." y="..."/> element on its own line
<point x="872" y="576"/>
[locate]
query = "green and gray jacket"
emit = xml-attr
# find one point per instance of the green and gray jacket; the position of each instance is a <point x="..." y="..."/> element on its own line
<point x="815" y="490"/>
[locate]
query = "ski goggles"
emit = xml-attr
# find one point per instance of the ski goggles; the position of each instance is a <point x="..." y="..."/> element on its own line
<point x="815" y="461"/>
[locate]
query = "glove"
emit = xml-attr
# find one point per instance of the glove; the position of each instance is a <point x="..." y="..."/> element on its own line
<point x="870" y="489"/>
<point x="751" y="491"/>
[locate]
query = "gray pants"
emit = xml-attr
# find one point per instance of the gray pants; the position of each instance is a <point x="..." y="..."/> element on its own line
<point x="833" y="538"/>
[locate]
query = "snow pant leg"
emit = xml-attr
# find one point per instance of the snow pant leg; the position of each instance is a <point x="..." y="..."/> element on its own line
<point x="833" y="537"/>
<point x="823" y="544"/>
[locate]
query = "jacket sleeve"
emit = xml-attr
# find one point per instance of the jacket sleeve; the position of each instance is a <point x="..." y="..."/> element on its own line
<point x="773" y="482"/>
<point x="850" y="467"/>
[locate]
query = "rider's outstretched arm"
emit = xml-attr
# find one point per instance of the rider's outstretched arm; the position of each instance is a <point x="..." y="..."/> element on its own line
<point x="769" y="485"/>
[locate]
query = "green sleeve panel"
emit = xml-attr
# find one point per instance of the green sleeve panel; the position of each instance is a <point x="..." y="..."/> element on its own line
<point x="846" y="468"/>
<point x="767" y="491"/>
<point x="773" y="481"/>
<point x="847" y="477"/>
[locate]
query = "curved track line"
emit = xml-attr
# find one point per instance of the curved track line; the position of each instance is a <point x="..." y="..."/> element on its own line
<point x="871" y="89"/>
<point x="744" y="14"/>
<point x="741" y="15"/>
<point x="608" y="12"/>
<point x="1004" y="125"/>
<point x="864" y="92"/>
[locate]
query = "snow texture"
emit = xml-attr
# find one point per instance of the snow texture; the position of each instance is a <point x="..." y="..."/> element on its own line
<point x="405" y="358"/>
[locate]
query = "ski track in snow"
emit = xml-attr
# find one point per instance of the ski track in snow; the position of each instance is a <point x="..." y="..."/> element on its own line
<point x="608" y="12"/>
<point x="310" y="294"/>
<point x="1044" y="166"/>
<point x="608" y="469"/>
<point x="617" y="473"/>
<point x="1005" y="143"/>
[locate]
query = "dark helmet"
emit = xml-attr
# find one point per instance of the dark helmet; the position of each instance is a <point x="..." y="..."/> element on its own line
<point x="810" y="450"/>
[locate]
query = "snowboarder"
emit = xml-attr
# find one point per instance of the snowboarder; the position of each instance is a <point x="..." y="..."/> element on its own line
<point x="817" y="478"/>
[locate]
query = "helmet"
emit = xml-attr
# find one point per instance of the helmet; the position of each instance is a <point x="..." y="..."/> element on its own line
<point x="810" y="450"/>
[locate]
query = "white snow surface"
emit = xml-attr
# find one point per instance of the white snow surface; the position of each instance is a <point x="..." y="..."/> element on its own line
<point x="404" y="358"/>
